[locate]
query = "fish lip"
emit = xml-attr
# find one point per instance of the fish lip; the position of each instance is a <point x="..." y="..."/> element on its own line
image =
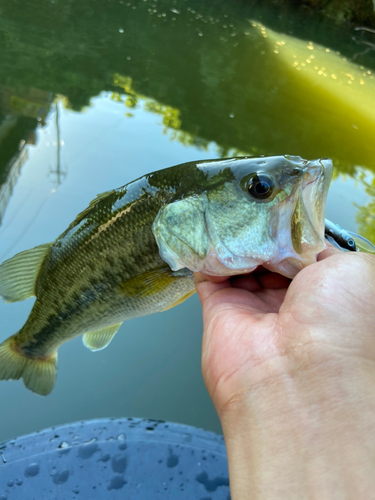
<point x="321" y="167"/>
<point x="312" y="180"/>
<point x="313" y="191"/>
<point x="310" y="192"/>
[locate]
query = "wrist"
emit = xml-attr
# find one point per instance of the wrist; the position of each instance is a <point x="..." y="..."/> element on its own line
<point x="304" y="433"/>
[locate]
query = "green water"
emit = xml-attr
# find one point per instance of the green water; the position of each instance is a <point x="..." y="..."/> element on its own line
<point x="96" y="93"/>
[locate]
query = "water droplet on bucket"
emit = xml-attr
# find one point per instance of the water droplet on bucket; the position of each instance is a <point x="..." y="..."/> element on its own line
<point x="63" y="445"/>
<point x="117" y="482"/>
<point x="105" y="457"/>
<point x="172" y="460"/>
<point x="88" y="449"/>
<point x="119" y="463"/>
<point x="211" y="484"/>
<point x="32" y="470"/>
<point x="61" y="476"/>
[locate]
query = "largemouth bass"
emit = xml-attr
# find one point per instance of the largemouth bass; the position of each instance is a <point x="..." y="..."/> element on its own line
<point x="133" y="250"/>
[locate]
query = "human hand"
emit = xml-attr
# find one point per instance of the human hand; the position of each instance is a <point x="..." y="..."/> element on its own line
<point x="290" y="367"/>
<point x="259" y="325"/>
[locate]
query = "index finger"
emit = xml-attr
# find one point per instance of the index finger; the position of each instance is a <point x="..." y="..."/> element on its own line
<point x="207" y="285"/>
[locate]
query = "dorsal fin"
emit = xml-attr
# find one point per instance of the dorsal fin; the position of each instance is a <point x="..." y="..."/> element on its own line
<point x="82" y="215"/>
<point x="18" y="274"/>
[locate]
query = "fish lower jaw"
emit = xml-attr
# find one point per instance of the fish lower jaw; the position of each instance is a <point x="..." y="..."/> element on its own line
<point x="214" y="267"/>
<point x="217" y="262"/>
<point x="289" y="266"/>
<point x="221" y="262"/>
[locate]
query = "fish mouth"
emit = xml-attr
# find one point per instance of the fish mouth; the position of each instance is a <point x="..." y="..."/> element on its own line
<point x="308" y="219"/>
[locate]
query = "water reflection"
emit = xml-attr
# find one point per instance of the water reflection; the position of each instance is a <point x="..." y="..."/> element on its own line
<point x="221" y="78"/>
<point x="20" y="111"/>
<point x="221" y="75"/>
<point x="366" y="213"/>
<point x="12" y="170"/>
<point x="57" y="171"/>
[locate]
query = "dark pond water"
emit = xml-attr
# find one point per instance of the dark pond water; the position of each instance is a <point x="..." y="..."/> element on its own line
<point x="95" y="93"/>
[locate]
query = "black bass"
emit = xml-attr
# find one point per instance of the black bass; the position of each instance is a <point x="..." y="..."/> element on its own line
<point x="133" y="250"/>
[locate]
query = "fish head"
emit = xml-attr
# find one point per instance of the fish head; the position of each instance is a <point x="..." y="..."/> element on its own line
<point x="266" y="211"/>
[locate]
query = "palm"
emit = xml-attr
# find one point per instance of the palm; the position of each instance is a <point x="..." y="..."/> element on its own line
<point x="255" y="321"/>
<point x="240" y="320"/>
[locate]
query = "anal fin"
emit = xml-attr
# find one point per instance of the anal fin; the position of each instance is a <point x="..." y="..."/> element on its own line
<point x="99" y="339"/>
<point x="18" y="274"/>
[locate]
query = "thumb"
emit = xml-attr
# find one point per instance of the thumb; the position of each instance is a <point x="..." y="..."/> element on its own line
<point x="328" y="252"/>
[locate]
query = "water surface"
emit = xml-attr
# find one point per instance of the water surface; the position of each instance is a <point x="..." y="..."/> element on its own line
<point x="94" y="94"/>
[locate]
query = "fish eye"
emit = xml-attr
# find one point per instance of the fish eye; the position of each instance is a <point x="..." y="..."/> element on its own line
<point x="261" y="186"/>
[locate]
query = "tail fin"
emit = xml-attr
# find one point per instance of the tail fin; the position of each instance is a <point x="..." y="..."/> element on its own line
<point x="39" y="375"/>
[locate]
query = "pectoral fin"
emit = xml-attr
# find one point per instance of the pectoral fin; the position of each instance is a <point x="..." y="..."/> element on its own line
<point x="162" y="287"/>
<point x="180" y="301"/>
<point x="18" y="274"/>
<point x="97" y="340"/>
<point x="147" y="284"/>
